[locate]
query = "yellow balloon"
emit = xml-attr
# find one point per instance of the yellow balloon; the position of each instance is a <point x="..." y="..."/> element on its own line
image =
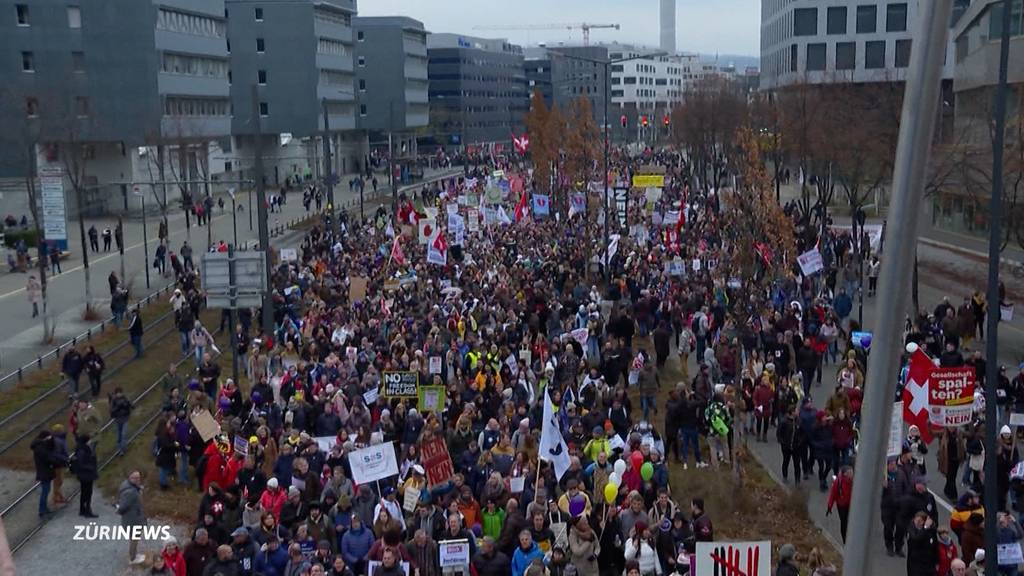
<point x="610" y="492"/>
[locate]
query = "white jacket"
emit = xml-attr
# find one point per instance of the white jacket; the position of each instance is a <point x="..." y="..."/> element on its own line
<point x="648" y="558"/>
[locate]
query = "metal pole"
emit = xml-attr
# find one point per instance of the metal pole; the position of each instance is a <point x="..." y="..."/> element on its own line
<point x="262" y="218"/>
<point x="607" y="96"/>
<point x="234" y="220"/>
<point x="250" y="209"/>
<point x="145" y="243"/>
<point x="995" y="213"/>
<point x="328" y="172"/>
<point x="465" y="148"/>
<point x="120" y="232"/>
<point x="916" y="128"/>
<point x="391" y="164"/>
<point x="232" y="282"/>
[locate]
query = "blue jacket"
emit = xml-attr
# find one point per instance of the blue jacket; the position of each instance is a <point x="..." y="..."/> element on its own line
<point x="355" y="545"/>
<point x="272" y="563"/>
<point x="843" y="304"/>
<point x="521" y="560"/>
<point x="283" y="470"/>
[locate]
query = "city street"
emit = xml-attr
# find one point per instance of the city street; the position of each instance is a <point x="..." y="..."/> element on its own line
<point x="23" y="334"/>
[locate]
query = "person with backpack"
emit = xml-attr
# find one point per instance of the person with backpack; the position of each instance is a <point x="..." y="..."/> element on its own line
<point x="83" y="465"/>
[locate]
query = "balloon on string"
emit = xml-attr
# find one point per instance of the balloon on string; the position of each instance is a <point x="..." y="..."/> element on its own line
<point x="615" y="479"/>
<point x="620" y="466"/>
<point x="577" y="505"/>
<point x="611" y="491"/>
<point x="636" y="459"/>
<point x="647" y="471"/>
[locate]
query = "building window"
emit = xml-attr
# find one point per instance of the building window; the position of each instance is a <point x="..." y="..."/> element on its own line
<point x="846" y="55"/>
<point x="81" y="106"/>
<point x="261" y="46"/>
<point x="995" y="21"/>
<point x="617" y="93"/>
<point x="362" y="61"/>
<point x="362" y="109"/>
<point x="333" y="47"/>
<point x="28" y="62"/>
<point x="229" y="78"/>
<point x="261" y="77"/>
<point x="264" y="109"/>
<point x="616" y="67"/>
<point x="816" y="57"/>
<point x="31" y="107"/>
<point x="227" y="165"/>
<point x="616" y="81"/>
<point x="874" y="54"/>
<point x="805" y="22"/>
<point x="867" y="19"/>
<point x="903" y="53"/>
<point x="362" y="85"/>
<point x="184" y="23"/>
<point x="896" y="18"/>
<point x="629" y="80"/>
<point x="259" y="14"/>
<point x="836" y="20"/>
<point x="78" y="61"/>
<point x="793" y="58"/>
<point x="22" y="10"/>
<point x="360" y="36"/>
<point x="74" y="17"/>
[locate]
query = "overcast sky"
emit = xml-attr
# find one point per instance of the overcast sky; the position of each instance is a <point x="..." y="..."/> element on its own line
<point x="706" y="26"/>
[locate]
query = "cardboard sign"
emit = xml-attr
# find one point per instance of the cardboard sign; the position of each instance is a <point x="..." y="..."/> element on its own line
<point x="453" y="553"/>
<point x="1010" y="554"/>
<point x="696" y="264"/>
<point x="649" y="181"/>
<point x="748" y="558"/>
<point x="410" y="498"/>
<point x="895" y="431"/>
<point x="435" y="364"/>
<point x="400" y="384"/>
<point x="325" y="443"/>
<point x="289" y="254"/>
<point x="517" y="484"/>
<point x="357" y="288"/>
<point x="373" y="463"/>
<point x="437" y="462"/>
<point x="205" y="425"/>
<point x="431" y="399"/>
<point x="473" y="219"/>
<point x="370" y="396"/>
<point x="951" y="396"/>
<point x="1016" y="419"/>
<point x="810" y="262"/>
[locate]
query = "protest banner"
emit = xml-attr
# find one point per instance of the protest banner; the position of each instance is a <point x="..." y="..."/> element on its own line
<point x="435" y="364"/>
<point x="436" y="460"/>
<point x="400" y="384"/>
<point x="951" y="396"/>
<point x="370" y="396"/>
<point x="410" y="498"/>
<point x="288" y="254"/>
<point x="325" y="443"/>
<point x="431" y="399"/>
<point x="747" y="558"/>
<point x="205" y="425"/>
<point x="896" y="431"/>
<point x="1010" y="554"/>
<point x="810" y="262"/>
<point x="241" y="446"/>
<point x="373" y="463"/>
<point x="357" y="288"/>
<point x="453" y="553"/>
<point x="649" y="181"/>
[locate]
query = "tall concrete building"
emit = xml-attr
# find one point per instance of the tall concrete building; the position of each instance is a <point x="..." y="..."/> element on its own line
<point x="113" y="74"/>
<point x="811" y="41"/>
<point x="478" y="91"/>
<point x="391" y="74"/>
<point x="537" y="64"/>
<point x="667" y="20"/>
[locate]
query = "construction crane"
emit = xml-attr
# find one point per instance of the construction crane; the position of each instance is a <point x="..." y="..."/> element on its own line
<point x="585" y="27"/>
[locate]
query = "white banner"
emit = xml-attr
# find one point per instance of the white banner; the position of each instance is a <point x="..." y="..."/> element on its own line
<point x="810" y="262"/>
<point x="896" y="431"/>
<point x="746" y="558"/>
<point x="373" y="463"/>
<point x="453" y="553"/>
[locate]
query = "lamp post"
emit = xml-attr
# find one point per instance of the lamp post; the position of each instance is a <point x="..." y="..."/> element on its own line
<point x="607" y="63"/>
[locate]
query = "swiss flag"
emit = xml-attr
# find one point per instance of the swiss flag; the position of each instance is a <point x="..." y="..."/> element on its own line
<point x="915" y="393"/>
<point x="521" y="207"/>
<point x="437" y="251"/>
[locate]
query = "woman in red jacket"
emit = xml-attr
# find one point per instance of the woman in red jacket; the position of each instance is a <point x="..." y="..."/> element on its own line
<point x="839" y="496"/>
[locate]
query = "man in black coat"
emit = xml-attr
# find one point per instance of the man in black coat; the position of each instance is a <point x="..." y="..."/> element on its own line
<point x="83" y="466"/>
<point x="71" y="366"/>
<point x="46" y="460"/>
<point x="490" y="561"/>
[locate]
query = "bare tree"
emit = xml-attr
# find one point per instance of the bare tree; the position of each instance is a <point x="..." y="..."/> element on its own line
<point x="706" y="125"/>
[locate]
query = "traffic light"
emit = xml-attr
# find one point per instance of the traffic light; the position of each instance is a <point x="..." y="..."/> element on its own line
<point x="666" y="120"/>
<point x="643" y="121"/>
<point x="623" y="120"/>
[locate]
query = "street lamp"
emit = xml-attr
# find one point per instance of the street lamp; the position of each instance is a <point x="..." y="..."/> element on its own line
<point x="607" y="97"/>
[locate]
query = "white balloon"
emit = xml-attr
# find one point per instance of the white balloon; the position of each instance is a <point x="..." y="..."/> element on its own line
<point x="614" y="479"/>
<point x="936" y="361"/>
<point x="620" y="467"/>
<point x="912" y="347"/>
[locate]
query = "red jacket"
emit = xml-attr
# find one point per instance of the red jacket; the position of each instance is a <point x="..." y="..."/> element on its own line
<point x="841" y="492"/>
<point x="215" y="467"/>
<point x="763" y="396"/>
<point x="856" y="396"/>
<point x="175" y="562"/>
<point x="842" y="433"/>
<point x="947" y="553"/>
<point x="272" y="501"/>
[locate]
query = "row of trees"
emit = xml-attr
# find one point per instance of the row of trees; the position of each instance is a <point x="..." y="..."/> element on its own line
<point x="564" y="146"/>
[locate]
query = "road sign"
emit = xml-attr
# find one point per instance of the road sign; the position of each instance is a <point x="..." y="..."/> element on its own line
<point x="51" y="193"/>
<point x="250" y="279"/>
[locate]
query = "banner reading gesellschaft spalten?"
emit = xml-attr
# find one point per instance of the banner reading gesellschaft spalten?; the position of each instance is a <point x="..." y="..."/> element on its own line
<point x="951" y="396"/>
<point x="373" y="463"/>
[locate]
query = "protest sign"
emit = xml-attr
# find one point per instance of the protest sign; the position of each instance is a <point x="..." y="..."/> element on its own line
<point x="896" y="431"/>
<point x="1010" y="554"/>
<point x="373" y="463"/>
<point x="400" y="384"/>
<point x="436" y="460"/>
<point x="473" y="219"/>
<point x="288" y="254"/>
<point x="517" y="484"/>
<point x="747" y="558"/>
<point x="453" y="553"/>
<point x="810" y="262"/>
<point x="370" y="396"/>
<point x="951" y="396"/>
<point x="1016" y="419"/>
<point x="205" y="425"/>
<point x="357" y="288"/>
<point x="435" y="364"/>
<point x="410" y="498"/>
<point x="649" y="181"/>
<point x="325" y="443"/>
<point x="241" y="446"/>
<point x="431" y="399"/>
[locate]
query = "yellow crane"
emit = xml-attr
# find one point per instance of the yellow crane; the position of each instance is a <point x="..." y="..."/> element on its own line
<point x="585" y="27"/>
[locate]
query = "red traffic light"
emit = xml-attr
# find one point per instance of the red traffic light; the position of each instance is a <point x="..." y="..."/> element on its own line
<point x="643" y="121"/>
<point x="666" y="120"/>
<point x="623" y="120"/>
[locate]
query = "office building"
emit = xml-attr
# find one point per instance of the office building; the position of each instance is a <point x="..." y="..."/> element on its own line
<point x="808" y="41"/>
<point x="478" y="91"/>
<point x="537" y="64"/>
<point x="113" y="74"/>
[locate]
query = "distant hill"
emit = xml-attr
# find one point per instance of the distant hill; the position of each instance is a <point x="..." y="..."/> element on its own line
<point x="740" y="62"/>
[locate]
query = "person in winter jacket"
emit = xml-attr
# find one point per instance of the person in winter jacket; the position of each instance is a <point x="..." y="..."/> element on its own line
<point x="787" y="561"/>
<point x="525" y="553"/>
<point x="969" y="503"/>
<point x="791" y="440"/>
<point x="922" y="553"/>
<point x="173" y="558"/>
<point x="946" y="550"/>
<point x="272" y="558"/>
<point x="842" y="439"/>
<point x="356" y="544"/>
<point x="638" y="548"/>
<point x="763" y="398"/>
<point x="272" y="499"/>
<point x="84" y="467"/>
<point x="46" y="460"/>
<point x="839" y="496"/>
<point x="584" y="548"/>
<point x="490" y="561"/>
<point x="822" y="448"/>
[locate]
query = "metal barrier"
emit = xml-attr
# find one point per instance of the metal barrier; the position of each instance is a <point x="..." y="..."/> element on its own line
<point x="86" y="336"/>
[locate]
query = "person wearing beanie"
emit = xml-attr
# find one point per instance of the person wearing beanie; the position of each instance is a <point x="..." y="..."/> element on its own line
<point x="1007" y="456"/>
<point x="173" y="557"/>
<point x="787" y="560"/>
<point x="922" y="553"/>
<point x="639" y="548"/>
